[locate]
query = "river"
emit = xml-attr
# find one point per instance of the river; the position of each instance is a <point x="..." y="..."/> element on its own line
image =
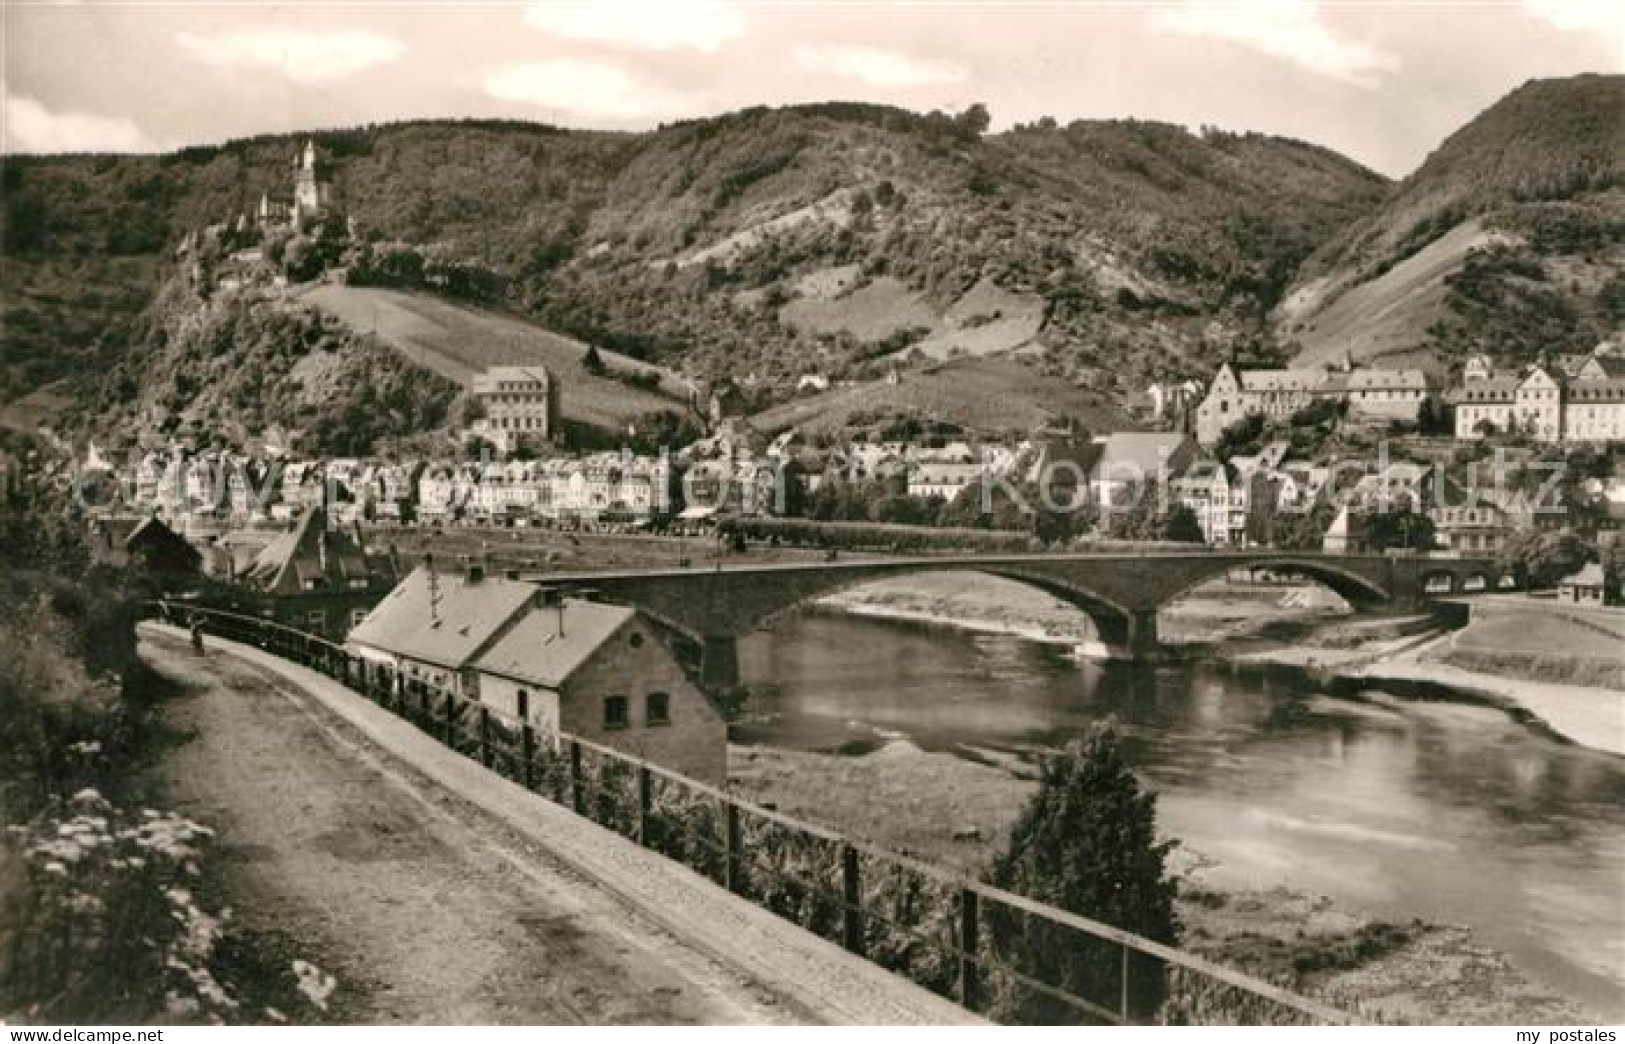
<point x="1446" y="810"/>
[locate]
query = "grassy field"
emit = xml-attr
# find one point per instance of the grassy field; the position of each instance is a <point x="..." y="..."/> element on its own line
<point x="1545" y="643"/>
<point x="456" y="341"/>
<point x="985" y="395"/>
<point x="1386" y="317"/>
<point x="39" y="407"/>
<point x="1547" y="631"/>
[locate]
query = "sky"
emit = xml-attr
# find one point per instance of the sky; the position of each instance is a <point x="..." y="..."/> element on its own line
<point x="1381" y="82"/>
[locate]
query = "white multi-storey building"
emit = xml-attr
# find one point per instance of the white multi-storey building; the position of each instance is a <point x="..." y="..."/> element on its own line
<point x="520" y="405"/>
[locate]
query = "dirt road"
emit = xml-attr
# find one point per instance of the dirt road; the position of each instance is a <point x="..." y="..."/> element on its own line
<point x="424" y="911"/>
<point x="430" y="908"/>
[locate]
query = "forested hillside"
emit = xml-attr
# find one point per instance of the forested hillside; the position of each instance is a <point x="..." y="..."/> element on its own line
<point x="1509" y="239"/>
<point x="765" y="242"/>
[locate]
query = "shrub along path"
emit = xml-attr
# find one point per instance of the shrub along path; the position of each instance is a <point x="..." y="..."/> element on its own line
<point x="438" y="892"/>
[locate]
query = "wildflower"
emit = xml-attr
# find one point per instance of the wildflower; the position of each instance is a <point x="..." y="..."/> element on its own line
<point x="315" y="984"/>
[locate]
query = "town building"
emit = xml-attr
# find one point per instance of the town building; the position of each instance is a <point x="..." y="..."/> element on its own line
<point x="599" y="672"/>
<point x="1145" y="459"/>
<point x="1474" y="528"/>
<point x="1369" y="395"/>
<point x="1218" y="496"/>
<point x="520" y="406"/>
<point x="604" y="673"/>
<point x="943" y="472"/>
<point x="1578" y="400"/>
<point x="161" y="551"/>
<point x="1589" y="586"/>
<point x="311" y="558"/>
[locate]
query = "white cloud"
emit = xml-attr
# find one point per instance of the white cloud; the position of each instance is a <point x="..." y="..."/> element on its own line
<point x="877" y="67"/>
<point x="1582" y="16"/>
<point x="592" y="90"/>
<point x="656" y="25"/>
<point x="1286" y="29"/>
<point x="303" y="57"/>
<point x="31" y="127"/>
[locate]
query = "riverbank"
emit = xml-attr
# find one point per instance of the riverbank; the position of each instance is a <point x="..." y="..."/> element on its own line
<point x="986" y="604"/>
<point x="1590" y="715"/>
<point x="1303" y="626"/>
<point x="957" y="809"/>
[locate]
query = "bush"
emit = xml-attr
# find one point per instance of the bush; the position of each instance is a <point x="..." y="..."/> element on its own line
<point x="1085" y="843"/>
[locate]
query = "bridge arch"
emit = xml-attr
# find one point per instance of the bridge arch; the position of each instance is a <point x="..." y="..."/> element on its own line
<point x="1121" y="629"/>
<point x="1441" y="581"/>
<point x="1357" y="590"/>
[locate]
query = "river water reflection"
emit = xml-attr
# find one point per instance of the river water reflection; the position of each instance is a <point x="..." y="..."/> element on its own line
<point x="1444" y="810"/>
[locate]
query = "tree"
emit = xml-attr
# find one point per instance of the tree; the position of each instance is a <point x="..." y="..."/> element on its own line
<point x="1302" y="530"/>
<point x="592" y="362"/>
<point x="1086" y="843"/>
<point x="1399" y="528"/>
<point x="1542" y="558"/>
<point x="974" y="121"/>
<point x="1244" y="436"/>
<point x="1181" y="524"/>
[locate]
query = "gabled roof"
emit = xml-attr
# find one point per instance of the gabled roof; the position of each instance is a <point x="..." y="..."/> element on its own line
<point x="1501" y="388"/>
<point x="306" y="552"/>
<point x="1282" y="380"/>
<point x="152" y="530"/>
<point x="1591" y="575"/>
<point x="1610" y="365"/>
<point x="1410" y="380"/>
<point x="1598" y="389"/>
<point x="548" y="644"/>
<point x="1125" y="453"/>
<point x="447" y="625"/>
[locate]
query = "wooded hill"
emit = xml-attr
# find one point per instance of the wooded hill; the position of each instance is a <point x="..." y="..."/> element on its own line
<point x="849" y="239"/>
<point x="1509" y="239"/>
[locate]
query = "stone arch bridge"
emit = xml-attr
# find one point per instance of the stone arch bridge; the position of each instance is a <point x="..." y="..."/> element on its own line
<point x="1120" y="592"/>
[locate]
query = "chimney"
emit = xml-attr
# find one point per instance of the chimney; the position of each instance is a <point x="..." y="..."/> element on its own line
<point x="476" y="573"/>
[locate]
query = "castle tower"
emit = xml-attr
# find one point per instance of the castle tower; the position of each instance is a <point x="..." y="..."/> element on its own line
<point x="309" y="194"/>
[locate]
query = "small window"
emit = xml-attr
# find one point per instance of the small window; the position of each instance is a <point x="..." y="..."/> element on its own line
<point x="657" y="709"/>
<point x="636" y="640"/>
<point x="615" y="716"/>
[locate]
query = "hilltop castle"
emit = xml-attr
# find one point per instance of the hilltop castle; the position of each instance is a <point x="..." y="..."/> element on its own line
<point x="311" y="195"/>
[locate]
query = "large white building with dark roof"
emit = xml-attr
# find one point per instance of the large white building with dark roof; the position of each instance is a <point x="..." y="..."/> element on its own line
<point x="1546" y="403"/>
<point x="1372" y="394"/>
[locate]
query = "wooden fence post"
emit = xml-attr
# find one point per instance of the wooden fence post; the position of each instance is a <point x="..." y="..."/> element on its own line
<point x="527" y="753"/>
<point x="969" y="940"/>
<point x="450" y="723"/>
<point x="732" y="878"/>
<point x="485" y="736"/>
<point x="578" y="785"/>
<point x="852" y="896"/>
<point x="645" y="803"/>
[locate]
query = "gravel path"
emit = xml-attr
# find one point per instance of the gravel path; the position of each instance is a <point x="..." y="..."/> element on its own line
<point x="438" y="892"/>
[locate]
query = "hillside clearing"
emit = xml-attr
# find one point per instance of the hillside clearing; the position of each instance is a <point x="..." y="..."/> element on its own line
<point x="983" y="395"/>
<point x="457" y="341"/>
<point x="1388" y="316"/>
